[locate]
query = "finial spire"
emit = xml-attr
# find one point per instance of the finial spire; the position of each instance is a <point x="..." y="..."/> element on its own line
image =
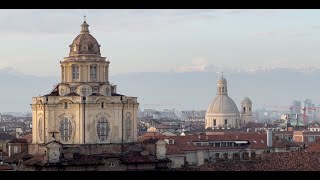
<point x="84" y="16"/>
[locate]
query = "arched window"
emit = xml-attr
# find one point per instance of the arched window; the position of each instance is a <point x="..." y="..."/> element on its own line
<point x="128" y="125"/>
<point x="40" y="128"/>
<point x="65" y="129"/>
<point x="103" y="129"/>
<point x="244" y="109"/>
<point x="222" y="89"/>
<point x="249" y="109"/>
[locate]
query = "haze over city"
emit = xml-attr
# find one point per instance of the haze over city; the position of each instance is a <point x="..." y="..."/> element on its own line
<point x="159" y="90"/>
<point x="173" y="55"/>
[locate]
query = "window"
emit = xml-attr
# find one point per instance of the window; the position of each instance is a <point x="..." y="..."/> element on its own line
<point x="311" y="138"/>
<point x="236" y="121"/>
<point x="65" y="129"/>
<point x="216" y="144"/>
<point x="85" y="48"/>
<point x="75" y="72"/>
<point x="111" y="164"/>
<point x="217" y="155"/>
<point x="128" y="125"/>
<point x="197" y="144"/>
<point x="15" y="149"/>
<point x="102" y="105"/>
<point x="95" y="89"/>
<point x="244" y="109"/>
<point x="103" y="129"/>
<point x="65" y="105"/>
<point x="214" y="122"/>
<point x="74" y="48"/>
<point x="170" y="141"/>
<point x="93" y="72"/>
<point x="222" y="89"/>
<point x="40" y="128"/>
<point x="84" y="91"/>
<point x="225" y="121"/>
<point x="249" y="109"/>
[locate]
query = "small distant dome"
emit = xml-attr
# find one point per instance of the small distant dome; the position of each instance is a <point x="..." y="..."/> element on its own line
<point x="222" y="80"/>
<point x="246" y="99"/>
<point x="84" y="43"/>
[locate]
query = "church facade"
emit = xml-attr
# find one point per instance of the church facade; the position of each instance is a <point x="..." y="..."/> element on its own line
<point x="84" y="108"/>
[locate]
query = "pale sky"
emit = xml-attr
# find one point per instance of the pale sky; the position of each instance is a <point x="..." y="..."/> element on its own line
<point x="34" y="41"/>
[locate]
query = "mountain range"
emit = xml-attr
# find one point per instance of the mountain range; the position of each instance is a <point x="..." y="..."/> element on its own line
<point x="173" y="90"/>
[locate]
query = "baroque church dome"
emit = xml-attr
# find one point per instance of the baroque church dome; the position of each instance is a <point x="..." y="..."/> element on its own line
<point x="222" y="111"/>
<point x="222" y="104"/>
<point x="84" y="43"/>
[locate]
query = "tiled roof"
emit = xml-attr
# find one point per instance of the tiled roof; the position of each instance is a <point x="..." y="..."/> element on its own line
<point x="28" y="137"/>
<point x="314" y="147"/>
<point x="81" y="159"/>
<point x="6" y="136"/>
<point x="36" y="160"/>
<point x="13" y="159"/>
<point x="18" y="141"/>
<point x="256" y="141"/>
<point x="138" y="158"/>
<point x="290" y="161"/>
<point x="5" y="167"/>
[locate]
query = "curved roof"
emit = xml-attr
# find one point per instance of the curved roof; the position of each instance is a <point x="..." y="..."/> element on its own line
<point x="84" y="43"/>
<point x="222" y="104"/>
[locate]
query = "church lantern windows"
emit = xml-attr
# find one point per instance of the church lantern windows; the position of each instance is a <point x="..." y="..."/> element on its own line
<point x="65" y="129"/>
<point x="65" y="105"/>
<point x="75" y="72"/>
<point x="103" y="129"/>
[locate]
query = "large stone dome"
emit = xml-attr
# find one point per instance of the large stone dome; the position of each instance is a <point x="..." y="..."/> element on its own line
<point x="84" y="43"/>
<point x="222" y="104"/>
<point x="222" y="110"/>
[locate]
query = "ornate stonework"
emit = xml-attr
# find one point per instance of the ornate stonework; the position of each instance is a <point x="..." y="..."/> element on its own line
<point x="84" y="108"/>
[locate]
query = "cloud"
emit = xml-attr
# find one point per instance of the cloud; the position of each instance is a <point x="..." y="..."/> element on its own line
<point x="197" y="65"/>
<point x="273" y="34"/>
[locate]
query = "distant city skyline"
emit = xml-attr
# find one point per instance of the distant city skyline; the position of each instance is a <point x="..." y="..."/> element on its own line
<point x="164" y="40"/>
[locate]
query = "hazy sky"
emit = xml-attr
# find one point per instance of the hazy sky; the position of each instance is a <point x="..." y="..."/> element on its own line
<point x="34" y="41"/>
